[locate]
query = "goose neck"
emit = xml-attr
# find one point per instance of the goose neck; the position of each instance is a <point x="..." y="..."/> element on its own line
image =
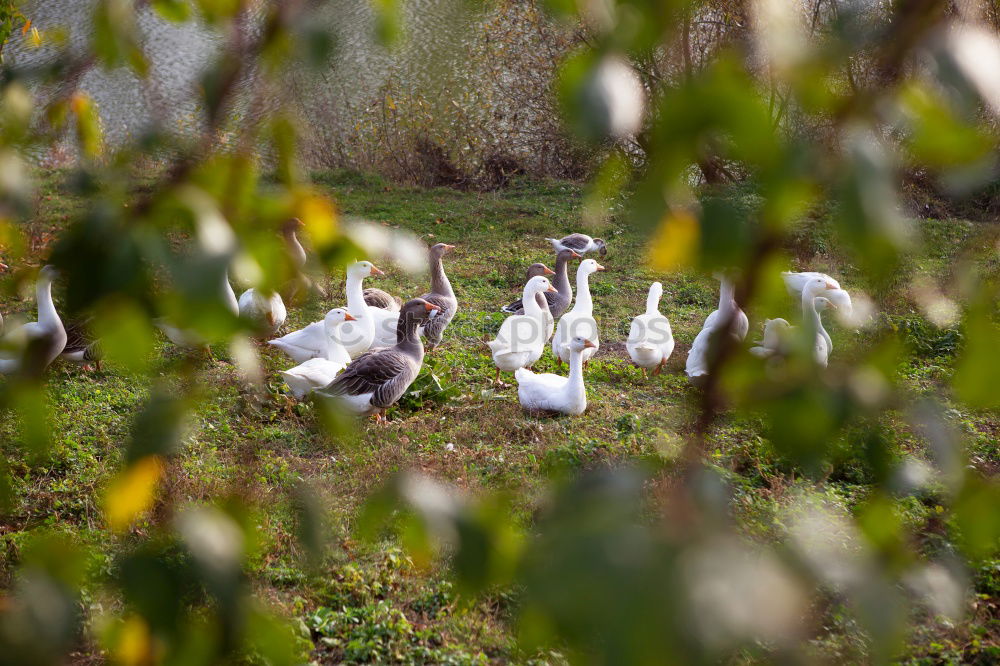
<point x="439" y="281"/>
<point x="561" y="282"/>
<point x="407" y="338"/>
<point x="529" y="302"/>
<point x="653" y="301"/>
<point x="727" y="296"/>
<point x="355" y="295"/>
<point x="47" y="315"/>
<point x="584" y="303"/>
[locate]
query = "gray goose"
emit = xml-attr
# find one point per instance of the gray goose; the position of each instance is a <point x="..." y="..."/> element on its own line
<point x="81" y="345"/>
<point x="374" y="381"/>
<point x="581" y="243"/>
<point x="377" y="298"/>
<point x="441" y="295"/>
<point x="38" y="343"/>
<point x="559" y="299"/>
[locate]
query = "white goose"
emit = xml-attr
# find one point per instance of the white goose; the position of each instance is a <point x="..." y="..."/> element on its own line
<point x="650" y="340"/>
<point x="578" y="322"/>
<point x="521" y="339"/>
<point x="794" y="282"/>
<point x="554" y="393"/>
<point x="183" y="337"/>
<point x="356" y="336"/>
<point x="265" y="313"/>
<point x="727" y="312"/>
<point x="317" y="372"/>
<point x="36" y="344"/>
<point x="777" y="332"/>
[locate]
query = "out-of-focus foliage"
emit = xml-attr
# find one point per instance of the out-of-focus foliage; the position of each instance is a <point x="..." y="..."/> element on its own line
<point x="621" y="566"/>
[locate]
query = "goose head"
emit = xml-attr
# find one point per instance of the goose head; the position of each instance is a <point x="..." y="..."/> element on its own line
<point x="656" y="290"/>
<point x="566" y="255"/>
<point x="291" y="226"/>
<point x="579" y="343"/>
<point x="539" y="269"/>
<point x="602" y="247"/>
<point x="338" y="316"/>
<point x="816" y="286"/>
<point x="822" y="303"/>
<point x="363" y="269"/>
<point x="538" y="284"/>
<point x="49" y="273"/>
<point x="588" y="266"/>
<point x="441" y="249"/>
<point x="418" y="309"/>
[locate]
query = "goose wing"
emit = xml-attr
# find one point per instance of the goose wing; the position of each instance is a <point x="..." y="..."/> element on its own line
<point x="385" y="373"/>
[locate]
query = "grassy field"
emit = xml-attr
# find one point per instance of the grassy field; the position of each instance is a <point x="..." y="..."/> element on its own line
<point x="372" y="604"/>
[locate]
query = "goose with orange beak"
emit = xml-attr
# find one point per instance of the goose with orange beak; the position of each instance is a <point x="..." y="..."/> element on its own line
<point x="553" y="393"/>
<point x="521" y="339"/>
<point x="374" y="381"/>
<point x="579" y="322"/>
<point x="318" y="372"/>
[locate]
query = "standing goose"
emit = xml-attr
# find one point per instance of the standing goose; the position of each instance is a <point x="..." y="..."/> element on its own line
<point x="183" y="337"/>
<point x="729" y="313"/>
<point x="298" y="258"/>
<point x="375" y="381"/>
<point x="559" y="299"/>
<point x="553" y="393"/>
<point x="650" y="340"/>
<point x="777" y="340"/>
<point x="441" y="295"/>
<point x="81" y="346"/>
<point x="579" y="243"/>
<point x="515" y="307"/>
<point x="35" y="344"/>
<point x="521" y="339"/>
<point x="317" y="372"/>
<point x="795" y="282"/>
<point x="580" y="320"/>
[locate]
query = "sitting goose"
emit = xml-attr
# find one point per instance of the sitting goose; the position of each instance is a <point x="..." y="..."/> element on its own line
<point x="36" y="344"/>
<point x="579" y="243"/>
<point x="374" y="381"/>
<point x="650" y="340"/>
<point x="264" y="312"/>
<point x="559" y="299"/>
<point x="521" y="339"/>
<point x="377" y="298"/>
<point x="81" y="346"/>
<point x="727" y="312"/>
<point x="580" y="320"/>
<point x="553" y="393"/>
<point x="310" y="341"/>
<point x="775" y="340"/>
<point x="794" y="282"/>
<point x="188" y="338"/>
<point x="535" y="270"/>
<point x="318" y="372"/>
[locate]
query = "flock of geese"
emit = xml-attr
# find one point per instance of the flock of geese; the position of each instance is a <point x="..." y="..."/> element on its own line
<point x="367" y="354"/>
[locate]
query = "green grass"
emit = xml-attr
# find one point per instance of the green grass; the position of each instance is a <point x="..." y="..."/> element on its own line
<point x="372" y="604"/>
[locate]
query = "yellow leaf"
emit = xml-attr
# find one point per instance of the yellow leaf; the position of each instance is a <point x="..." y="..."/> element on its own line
<point x="135" y="645"/>
<point x="388" y="102"/>
<point x="675" y="243"/>
<point x="319" y="217"/>
<point x="26" y="27"/>
<point x="132" y="492"/>
<point x="36" y="38"/>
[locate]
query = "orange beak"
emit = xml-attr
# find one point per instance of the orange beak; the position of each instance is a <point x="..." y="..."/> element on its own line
<point x="548" y="271"/>
<point x="588" y="343"/>
<point x="551" y="288"/>
<point x="376" y="270"/>
<point x="575" y="255"/>
<point x="830" y="285"/>
<point x="601" y="268"/>
<point x="349" y="317"/>
<point x="430" y="306"/>
<point x="449" y="248"/>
